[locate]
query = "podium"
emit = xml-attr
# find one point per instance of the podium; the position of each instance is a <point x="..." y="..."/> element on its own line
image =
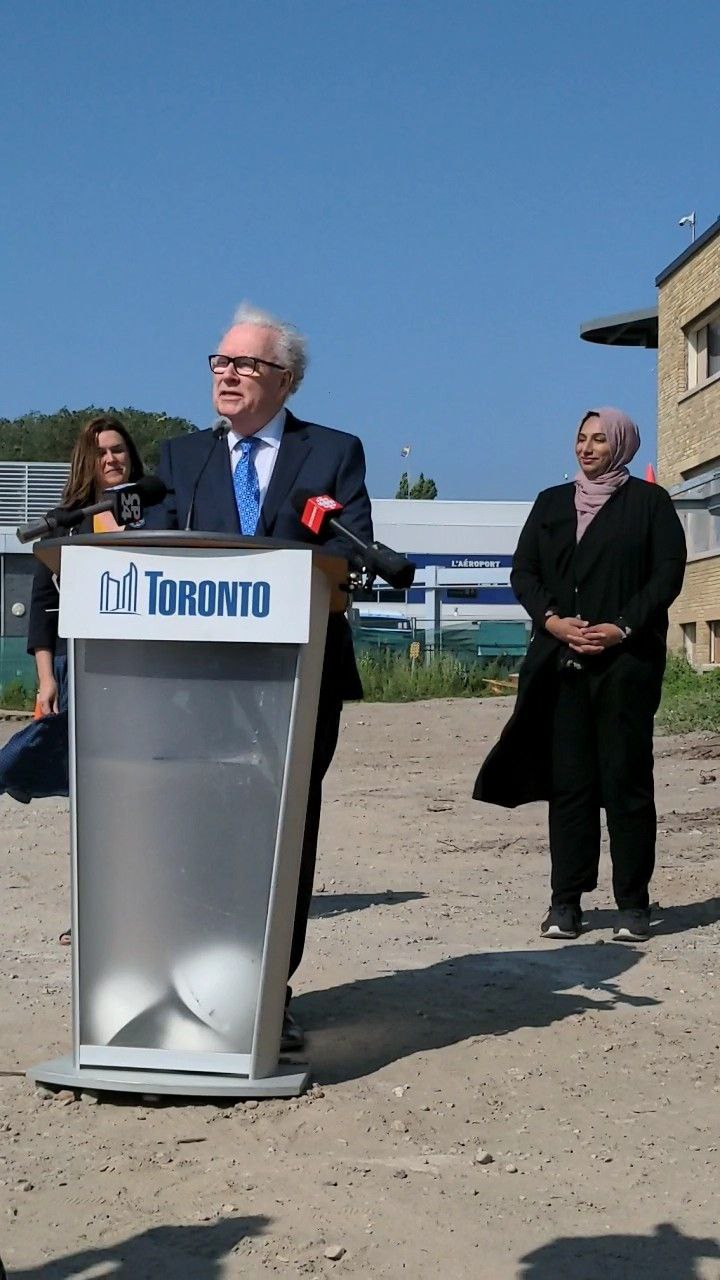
<point x="194" y="672"/>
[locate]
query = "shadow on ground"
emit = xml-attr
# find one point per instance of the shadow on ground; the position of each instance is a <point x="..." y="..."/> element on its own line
<point x="665" y="920"/>
<point x="180" y="1252"/>
<point x="361" y="1026"/>
<point x="340" y="904"/>
<point x="665" y="1255"/>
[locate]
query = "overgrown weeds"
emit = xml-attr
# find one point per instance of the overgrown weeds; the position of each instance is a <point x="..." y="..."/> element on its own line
<point x="16" y="696"/>
<point x="690" y="699"/>
<point x="392" y="677"/>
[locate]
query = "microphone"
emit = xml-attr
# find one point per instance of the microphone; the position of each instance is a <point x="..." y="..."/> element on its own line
<point x="126" y="501"/>
<point x="219" y="432"/>
<point x="317" y="510"/>
<point x="51" y="522"/>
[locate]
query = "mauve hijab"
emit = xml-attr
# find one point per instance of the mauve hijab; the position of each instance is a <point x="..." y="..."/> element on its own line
<point x="624" y="439"/>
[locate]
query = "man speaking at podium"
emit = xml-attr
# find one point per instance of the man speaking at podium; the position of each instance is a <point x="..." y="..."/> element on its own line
<point x="242" y="481"/>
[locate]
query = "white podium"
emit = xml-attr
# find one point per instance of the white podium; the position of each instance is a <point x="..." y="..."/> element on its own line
<point x="194" y="671"/>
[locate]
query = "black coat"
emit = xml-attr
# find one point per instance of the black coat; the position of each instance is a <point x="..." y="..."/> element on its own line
<point x="627" y="568"/>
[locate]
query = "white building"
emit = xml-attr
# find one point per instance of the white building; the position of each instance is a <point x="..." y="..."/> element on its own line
<point x="27" y="491"/>
<point x="463" y="551"/>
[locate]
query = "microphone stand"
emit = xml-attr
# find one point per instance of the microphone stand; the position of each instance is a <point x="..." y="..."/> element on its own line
<point x="378" y="559"/>
<point x="220" y="431"/>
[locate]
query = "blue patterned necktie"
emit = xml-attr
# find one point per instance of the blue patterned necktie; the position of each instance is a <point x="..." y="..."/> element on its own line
<point x="247" y="487"/>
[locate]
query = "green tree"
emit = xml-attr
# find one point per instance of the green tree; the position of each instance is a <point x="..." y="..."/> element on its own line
<point x="423" y="488"/>
<point x="49" y="437"/>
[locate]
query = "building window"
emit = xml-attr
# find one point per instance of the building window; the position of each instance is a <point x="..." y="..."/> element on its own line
<point x="702" y="532"/>
<point x="704" y="350"/>
<point x="715" y="642"/>
<point x="702" y="528"/>
<point x="689" y="630"/>
<point x="380" y="595"/>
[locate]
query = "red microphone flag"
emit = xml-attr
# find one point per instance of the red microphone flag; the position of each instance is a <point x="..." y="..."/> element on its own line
<point x="316" y="511"/>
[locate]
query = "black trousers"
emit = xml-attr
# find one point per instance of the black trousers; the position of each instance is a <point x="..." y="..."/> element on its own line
<point x="326" y="736"/>
<point x="602" y="757"/>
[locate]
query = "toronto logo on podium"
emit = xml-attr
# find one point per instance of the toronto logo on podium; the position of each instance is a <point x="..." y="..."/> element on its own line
<point x="182" y="597"/>
<point x="119" y="595"/>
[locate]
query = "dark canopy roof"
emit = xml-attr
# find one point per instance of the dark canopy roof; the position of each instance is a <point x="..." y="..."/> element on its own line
<point x="629" y="329"/>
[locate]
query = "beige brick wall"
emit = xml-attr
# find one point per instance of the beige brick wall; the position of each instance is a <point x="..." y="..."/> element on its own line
<point x="698" y="602"/>
<point x="689" y="425"/>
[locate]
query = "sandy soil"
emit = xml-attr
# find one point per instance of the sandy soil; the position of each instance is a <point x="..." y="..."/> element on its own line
<point x="440" y="1027"/>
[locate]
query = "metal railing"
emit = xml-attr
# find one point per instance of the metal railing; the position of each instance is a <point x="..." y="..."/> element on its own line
<point x="469" y="637"/>
<point x="467" y="633"/>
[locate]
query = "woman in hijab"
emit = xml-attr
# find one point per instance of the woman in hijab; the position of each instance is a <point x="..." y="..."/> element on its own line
<point x="598" y="563"/>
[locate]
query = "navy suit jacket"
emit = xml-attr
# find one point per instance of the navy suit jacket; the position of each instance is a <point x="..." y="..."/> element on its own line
<point x="310" y="457"/>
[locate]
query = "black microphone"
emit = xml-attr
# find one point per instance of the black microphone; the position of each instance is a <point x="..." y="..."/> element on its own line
<point x="126" y="501"/>
<point x="317" y="510"/>
<point x="219" y="432"/>
<point x="56" y="519"/>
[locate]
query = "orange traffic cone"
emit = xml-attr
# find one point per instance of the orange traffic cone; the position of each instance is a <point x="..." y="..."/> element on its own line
<point x="650" y="473"/>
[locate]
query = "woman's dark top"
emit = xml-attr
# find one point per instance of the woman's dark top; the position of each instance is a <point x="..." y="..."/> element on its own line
<point x="44" y="605"/>
<point x="627" y="569"/>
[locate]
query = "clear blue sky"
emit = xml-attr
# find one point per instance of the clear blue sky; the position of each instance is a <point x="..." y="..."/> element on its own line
<point x="437" y="193"/>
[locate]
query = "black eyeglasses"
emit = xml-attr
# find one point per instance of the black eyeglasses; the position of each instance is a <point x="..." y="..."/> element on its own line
<point x="241" y="364"/>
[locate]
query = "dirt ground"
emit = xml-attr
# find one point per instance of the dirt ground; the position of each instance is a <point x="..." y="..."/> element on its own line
<point x="443" y="1032"/>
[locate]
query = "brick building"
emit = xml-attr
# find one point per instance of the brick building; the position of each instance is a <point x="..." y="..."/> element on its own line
<point x="689" y="433"/>
<point x="685" y="328"/>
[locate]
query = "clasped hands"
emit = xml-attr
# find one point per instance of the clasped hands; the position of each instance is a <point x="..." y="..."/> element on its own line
<point x="579" y="636"/>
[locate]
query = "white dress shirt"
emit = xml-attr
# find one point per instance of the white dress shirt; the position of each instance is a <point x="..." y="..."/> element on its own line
<point x="265" y="456"/>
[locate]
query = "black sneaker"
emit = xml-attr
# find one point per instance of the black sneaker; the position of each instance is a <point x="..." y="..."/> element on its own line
<point x="562" y="922"/>
<point x="293" y="1036"/>
<point x="632" y="926"/>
